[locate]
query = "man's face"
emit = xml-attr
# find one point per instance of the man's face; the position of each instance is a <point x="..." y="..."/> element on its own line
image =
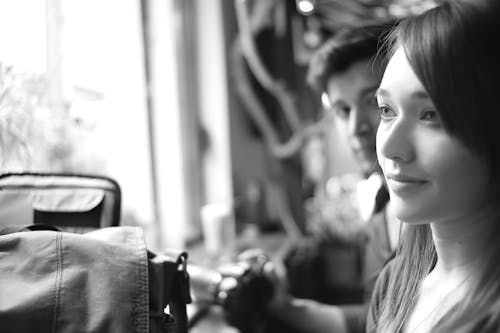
<point x="351" y="97"/>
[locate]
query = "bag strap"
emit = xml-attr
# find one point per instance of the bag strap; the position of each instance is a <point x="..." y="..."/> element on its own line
<point x="10" y="229"/>
<point x="180" y="295"/>
<point x="169" y="285"/>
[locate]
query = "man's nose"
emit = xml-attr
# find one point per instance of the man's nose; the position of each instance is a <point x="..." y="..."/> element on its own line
<point x="359" y="123"/>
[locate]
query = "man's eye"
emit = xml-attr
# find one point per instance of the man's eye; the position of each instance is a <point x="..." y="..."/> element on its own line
<point x="386" y="112"/>
<point x="342" y="112"/>
<point x="371" y="101"/>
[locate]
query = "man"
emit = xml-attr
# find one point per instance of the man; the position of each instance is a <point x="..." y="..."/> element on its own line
<point x="347" y="69"/>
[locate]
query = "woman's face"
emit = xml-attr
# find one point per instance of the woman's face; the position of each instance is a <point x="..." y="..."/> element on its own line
<point x="430" y="174"/>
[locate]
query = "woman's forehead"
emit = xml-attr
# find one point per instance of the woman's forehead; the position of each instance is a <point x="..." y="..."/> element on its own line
<point x="400" y="79"/>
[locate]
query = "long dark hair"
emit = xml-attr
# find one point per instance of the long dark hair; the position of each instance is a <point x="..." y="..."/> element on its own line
<point x="450" y="49"/>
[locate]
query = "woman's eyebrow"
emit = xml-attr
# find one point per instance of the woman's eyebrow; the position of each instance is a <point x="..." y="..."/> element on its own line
<point x="419" y="94"/>
<point x="381" y="92"/>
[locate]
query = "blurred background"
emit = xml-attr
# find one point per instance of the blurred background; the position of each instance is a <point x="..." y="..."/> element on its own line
<point x="185" y="103"/>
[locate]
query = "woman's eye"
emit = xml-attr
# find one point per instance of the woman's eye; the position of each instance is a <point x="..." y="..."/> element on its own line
<point x="430" y="116"/>
<point x="386" y="112"/>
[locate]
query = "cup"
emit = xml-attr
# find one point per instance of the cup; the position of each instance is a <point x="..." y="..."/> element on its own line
<point x="218" y="228"/>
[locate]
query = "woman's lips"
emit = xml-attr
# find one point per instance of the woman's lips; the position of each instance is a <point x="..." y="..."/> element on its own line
<point x="404" y="184"/>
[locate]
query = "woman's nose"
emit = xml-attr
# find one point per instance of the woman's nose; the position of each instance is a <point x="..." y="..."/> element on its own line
<point x="394" y="141"/>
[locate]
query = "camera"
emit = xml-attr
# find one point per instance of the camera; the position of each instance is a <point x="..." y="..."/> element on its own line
<point x="241" y="287"/>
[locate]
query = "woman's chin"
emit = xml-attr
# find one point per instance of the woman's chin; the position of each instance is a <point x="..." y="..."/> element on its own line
<point x="408" y="214"/>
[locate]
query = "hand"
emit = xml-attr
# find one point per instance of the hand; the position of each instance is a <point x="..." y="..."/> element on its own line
<point x="245" y="291"/>
<point x="275" y="272"/>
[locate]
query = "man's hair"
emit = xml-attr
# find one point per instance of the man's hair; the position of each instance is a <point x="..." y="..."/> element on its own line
<point x="345" y="48"/>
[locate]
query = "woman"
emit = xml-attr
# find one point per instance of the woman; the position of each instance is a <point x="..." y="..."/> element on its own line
<point x="439" y="148"/>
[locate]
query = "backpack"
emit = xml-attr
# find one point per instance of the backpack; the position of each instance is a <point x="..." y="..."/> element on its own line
<point x="72" y="202"/>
